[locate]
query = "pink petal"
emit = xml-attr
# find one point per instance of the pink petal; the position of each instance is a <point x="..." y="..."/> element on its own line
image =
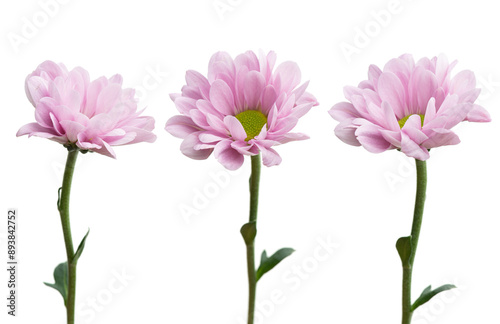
<point x="42" y="111"/>
<point x="306" y="98"/>
<point x="116" y="79"/>
<point x="266" y="63"/>
<point x="478" y="114"/>
<point x="55" y="124"/>
<point x="36" y="88"/>
<point x="470" y="95"/>
<point x="268" y="99"/>
<point x="291" y="137"/>
<point x="36" y="130"/>
<point x="227" y="156"/>
<point x="207" y="108"/>
<point x="430" y="111"/>
<point x="52" y="69"/>
<point x="216" y="124"/>
<point x="262" y="135"/>
<point x="441" y="137"/>
<point x="222" y="98"/>
<point x="210" y="137"/>
<point x="191" y="92"/>
<point x="370" y="137"/>
<point x="269" y="156"/>
<point x="285" y="109"/>
<point x="187" y="147"/>
<point x="181" y="126"/>
<point x="343" y="110"/>
<point x="399" y="68"/>
<point x="374" y="73"/>
<point x="272" y="117"/>
<point x="389" y="118"/>
<point x="72" y="129"/>
<point x="300" y="110"/>
<point x="300" y="90"/>
<point x="457" y="114"/>
<point x="106" y="150"/>
<point x="284" y="125"/>
<point x="411" y="149"/>
<point x="108" y="97"/>
<point x="422" y="86"/>
<point x="393" y="137"/>
<point x="199" y="118"/>
<point x="239" y="89"/>
<point x="254" y="84"/>
<point x="242" y="147"/>
<point x="412" y="129"/>
<point x="391" y="90"/>
<point x="220" y="63"/>
<point x="350" y="91"/>
<point x="289" y="75"/>
<point x="145" y="122"/>
<point x="235" y="128"/>
<point x="439" y="95"/>
<point x="196" y="79"/>
<point x="462" y="82"/>
<point x="247" y="59"/>
<point x="93" y="92"/>
<point x="100" y="124"/>
<point x="376" y="114"/>
<point x="140" y="135"/>
<point x="442" y="68"/>
<point x="119" y="138"/>
<point x="85" y="143"/>
<point x="185" y="104"/>
<point x="345" y="131"/>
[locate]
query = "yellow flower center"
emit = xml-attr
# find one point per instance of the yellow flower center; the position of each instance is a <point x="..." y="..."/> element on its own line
<point x="403" y="120"/>
<point x="252" y="121"/>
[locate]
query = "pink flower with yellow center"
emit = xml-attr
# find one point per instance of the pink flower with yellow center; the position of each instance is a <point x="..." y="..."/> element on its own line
<point x="241" y="108"/>
<point x="409" y="106"/>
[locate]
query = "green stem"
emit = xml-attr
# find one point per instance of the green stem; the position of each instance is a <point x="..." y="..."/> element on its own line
<point x="254" y="203"/>
<point x="63" y="207"/>
<point x="415" y="233"/>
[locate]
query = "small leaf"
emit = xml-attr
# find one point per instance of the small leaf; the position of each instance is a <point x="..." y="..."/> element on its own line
<point x="79" y="251"/>
<point x="427" y="294"/>
<point x="249" y="231"/>
<point x="61" y="280"/>
<point x="59" y="199"/>
<point x="267" y="264"/>
<point x="403" y="245"/>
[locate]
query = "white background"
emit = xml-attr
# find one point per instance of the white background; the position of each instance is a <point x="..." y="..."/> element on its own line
<point x="178" y="267"/>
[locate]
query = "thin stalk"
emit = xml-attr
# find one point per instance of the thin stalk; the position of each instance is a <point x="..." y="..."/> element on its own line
<point x="254" y="203"/>
<point x="63" y="207"/>
<point x="415" y="233"/>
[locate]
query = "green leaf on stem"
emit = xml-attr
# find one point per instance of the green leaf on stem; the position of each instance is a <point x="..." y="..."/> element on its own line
<point x="249" y="231"/>
<point x="61" y="280"/>
<point x="267" y="264"/>
<point x="403" y="245"/>
<point x="79" y="251"/>
<point x="59" y="199"/>
<point x="427" y="294"/>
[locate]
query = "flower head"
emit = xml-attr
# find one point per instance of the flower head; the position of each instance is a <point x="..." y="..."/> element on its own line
<point x="241" y="108"/>
<point x="75" y="112"/>
<point x="408" y="106"/>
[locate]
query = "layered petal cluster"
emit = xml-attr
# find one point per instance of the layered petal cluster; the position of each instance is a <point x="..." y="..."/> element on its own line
<point x="73" y="111"/>
<point x="241" y="108"/>
<point x="409" y="106"/>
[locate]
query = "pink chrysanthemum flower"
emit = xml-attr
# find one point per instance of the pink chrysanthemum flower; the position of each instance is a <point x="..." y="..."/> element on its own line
<point x="91" y="116"/>
<point x="408" y="106"/>
<point x="242" y="108"/>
